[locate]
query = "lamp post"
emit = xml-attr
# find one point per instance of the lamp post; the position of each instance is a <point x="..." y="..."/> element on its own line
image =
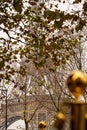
<point x="4" y="95"/>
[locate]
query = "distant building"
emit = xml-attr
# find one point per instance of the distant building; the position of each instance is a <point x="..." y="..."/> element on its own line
<point x="38" y="108"/>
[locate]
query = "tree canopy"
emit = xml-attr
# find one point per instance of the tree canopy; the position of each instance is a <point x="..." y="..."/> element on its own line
<point x="38" y="31"/>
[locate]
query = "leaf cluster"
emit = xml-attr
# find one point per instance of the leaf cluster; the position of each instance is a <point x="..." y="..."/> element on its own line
<point x="37" y="33"/>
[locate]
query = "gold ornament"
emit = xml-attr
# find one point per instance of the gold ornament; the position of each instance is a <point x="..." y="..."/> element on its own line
<point x="77" y="82"/>
<point x="42" y="124"/>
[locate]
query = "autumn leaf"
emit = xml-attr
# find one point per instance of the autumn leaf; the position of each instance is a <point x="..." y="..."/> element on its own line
<point x="58" y="24"/>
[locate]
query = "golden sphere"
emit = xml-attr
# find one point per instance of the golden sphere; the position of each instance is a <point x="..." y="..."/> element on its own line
<point x="42" y="124"/>
<point x="77" y="82"/>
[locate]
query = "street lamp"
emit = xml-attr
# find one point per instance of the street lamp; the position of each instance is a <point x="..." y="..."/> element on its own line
<point x="4" y="95"/>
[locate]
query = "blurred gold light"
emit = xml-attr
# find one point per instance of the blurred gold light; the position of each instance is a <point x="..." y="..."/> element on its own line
<point x="59" y="120"/>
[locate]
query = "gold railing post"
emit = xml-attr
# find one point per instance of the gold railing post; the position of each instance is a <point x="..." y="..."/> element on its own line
<point x="77" y="82"/>
<point x="42" y="125"/>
